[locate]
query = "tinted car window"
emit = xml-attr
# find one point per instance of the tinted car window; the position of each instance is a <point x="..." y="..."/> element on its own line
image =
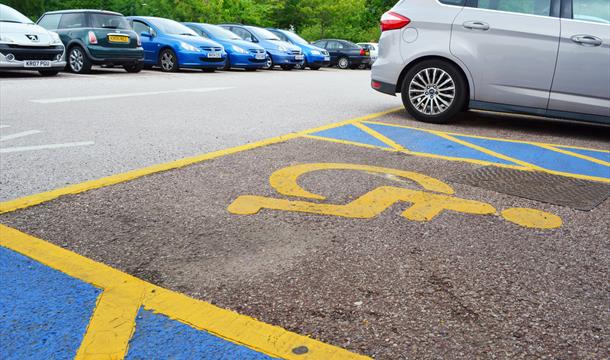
<point x="334" y="45"/>
<point x="591" y="10"/>
<point x="50" y="22"/>
<point x="453" y="2"/>
<point x="242" y="33"/>
<point x="321" y="44"/>
<point x="140" y="27"/>
<point x="532" y="7"/>
<point x="72" y="20"/>
<point x="108" y="21"/>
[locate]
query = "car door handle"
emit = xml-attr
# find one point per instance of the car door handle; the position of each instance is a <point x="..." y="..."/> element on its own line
<point x="476" y="25"/>
<point x="587" y="40"/>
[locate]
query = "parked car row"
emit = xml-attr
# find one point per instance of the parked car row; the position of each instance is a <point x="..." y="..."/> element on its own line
<point x="79" y="39"/>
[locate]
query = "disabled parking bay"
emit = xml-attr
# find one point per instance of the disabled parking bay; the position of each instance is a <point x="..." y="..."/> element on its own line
<point x="362" y="238"/>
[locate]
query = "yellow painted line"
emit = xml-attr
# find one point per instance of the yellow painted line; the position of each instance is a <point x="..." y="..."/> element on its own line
<point x="570" y="153"/>
<point x="487" y="137"/>
<point x="36" y="199"/>
<point x="107" y="336"/>
<point x="485" y="150"/>
<point x="384" y="139"/>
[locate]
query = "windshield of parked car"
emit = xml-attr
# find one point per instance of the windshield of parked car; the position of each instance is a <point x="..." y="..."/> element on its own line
<point x="8" y="14"/>
<point x="172" y="27"/>
<point x="294" y="37"/>
<point x="220" y="33"/>
<point x="109" y="21"/>
<point x="264" y="34"/>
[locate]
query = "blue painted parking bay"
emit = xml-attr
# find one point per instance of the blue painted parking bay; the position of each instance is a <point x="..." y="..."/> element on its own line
<point x="591" y="164"/>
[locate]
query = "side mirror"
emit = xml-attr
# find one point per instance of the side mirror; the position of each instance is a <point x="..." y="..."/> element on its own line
<point x="253" y="39"/>
<point x="146" y="34"/>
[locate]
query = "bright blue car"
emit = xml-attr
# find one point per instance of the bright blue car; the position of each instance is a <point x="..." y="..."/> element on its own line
<point x="279" y="52"/>
<point x="171" y="45"/>
<point x="315" y="57"/>
<point x="241" y="53"/>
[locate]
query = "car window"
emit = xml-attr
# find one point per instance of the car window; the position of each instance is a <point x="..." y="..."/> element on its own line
<point x="320" y="44"/>
<point x="8" y="14"/>
<point x="242" y="33"/>
<point x="281" y="36"/>
<point x="139" y="27"/>
<point x="591" y="10"/>
<point x="453" y="2"/>
<point x="72" y="20"/>
<point x="334" y="45"/>
<point x="531" y="7"/>
<point x="50" y="22"/>
<point x="108" y="21"/>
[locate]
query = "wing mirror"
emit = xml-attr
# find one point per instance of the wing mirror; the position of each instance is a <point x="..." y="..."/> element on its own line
<point x="146" y="34"/>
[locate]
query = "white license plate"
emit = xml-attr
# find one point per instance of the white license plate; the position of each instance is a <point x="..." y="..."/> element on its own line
<point x="214" y="55"/>
<point x="37" y="63"/>
<point x="261" y="56"/>
<point x="299" y="57"/>
<point x="327" y="58"/>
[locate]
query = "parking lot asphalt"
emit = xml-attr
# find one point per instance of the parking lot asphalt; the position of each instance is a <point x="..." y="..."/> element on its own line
<point x="360" y="235"/>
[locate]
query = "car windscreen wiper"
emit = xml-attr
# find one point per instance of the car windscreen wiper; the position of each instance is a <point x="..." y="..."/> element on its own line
<point x="14" y="21"/>
<point x="187" y="34"/>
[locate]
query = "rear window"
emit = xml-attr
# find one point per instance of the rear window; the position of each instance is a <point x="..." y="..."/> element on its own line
<point x="108" y="21"/>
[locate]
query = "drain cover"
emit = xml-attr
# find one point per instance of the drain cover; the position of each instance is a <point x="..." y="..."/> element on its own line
<point x="540" y="186"/>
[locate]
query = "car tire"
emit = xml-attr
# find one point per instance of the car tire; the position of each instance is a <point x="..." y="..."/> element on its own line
<point x="78" y="62"/>
<point x="301" y="66"/>
<point x="314" y="67"/>
<point x="434" y="91"/>
<point x="168" y="62"/>
<point x="269" y="64"/>
<point x="251" y="69"/>
<point x="208" y="70"/>
<point x="288" y="67"/>
<point x="133" y="68"/>
<point x="343" y="63"/>
<point x="48" y="72"/>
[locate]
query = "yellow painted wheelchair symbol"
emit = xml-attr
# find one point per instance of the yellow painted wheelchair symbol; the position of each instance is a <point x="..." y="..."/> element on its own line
<point x="425" y="205"/>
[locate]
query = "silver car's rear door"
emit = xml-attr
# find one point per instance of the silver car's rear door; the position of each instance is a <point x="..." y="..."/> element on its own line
<point x="510" y="48"/>
<point x="582" y="77"/>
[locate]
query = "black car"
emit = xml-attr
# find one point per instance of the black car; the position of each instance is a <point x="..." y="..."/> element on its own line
<point x="344" y="54"/>
<point x="95" y="37"/>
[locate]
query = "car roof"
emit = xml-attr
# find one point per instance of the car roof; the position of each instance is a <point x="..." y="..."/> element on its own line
<point x="82" y="10"/>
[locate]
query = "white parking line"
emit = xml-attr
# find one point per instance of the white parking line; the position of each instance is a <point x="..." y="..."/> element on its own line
<point x="44" y="147"/>
<point x="19" y="134"/>
<point x="114" y="96"/>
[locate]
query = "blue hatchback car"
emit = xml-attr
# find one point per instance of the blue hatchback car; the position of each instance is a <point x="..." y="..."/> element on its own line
<point x="315" y="57"/>
<point x="240" y="53"/>
<point x="279" y="52"/>
<point x="171" y="45"/>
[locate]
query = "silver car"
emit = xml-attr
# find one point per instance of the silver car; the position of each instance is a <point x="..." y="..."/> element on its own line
<point x="26" y="46"/>
<point x="541" y="57"/>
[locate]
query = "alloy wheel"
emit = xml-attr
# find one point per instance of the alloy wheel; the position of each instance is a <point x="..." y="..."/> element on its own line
<point x="76" y="60"/>
<point x="431" y="91"/>
<point x="343" y="63"/>
<point x="269" y="63"/>
<point x="167" y="61"/>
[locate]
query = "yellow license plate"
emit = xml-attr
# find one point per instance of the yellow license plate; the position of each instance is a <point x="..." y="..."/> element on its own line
<point x="118" y="39"/>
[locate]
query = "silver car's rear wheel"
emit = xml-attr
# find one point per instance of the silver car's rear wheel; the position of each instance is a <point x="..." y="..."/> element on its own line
<point x="434" y="91"/>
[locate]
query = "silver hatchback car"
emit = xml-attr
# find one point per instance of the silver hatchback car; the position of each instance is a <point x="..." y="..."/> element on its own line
<point x="541" y="57"/>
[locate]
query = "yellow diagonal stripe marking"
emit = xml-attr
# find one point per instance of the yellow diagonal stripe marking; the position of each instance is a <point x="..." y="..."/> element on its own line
<point x="485" y="150"/>
<point x="580" y="156"/>
<point x="384" y="139"/>
<point x="123" y="293"/>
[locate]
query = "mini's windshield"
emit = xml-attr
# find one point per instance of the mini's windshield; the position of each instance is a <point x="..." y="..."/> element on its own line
<point x="8" y="14"/>
<point x="264" y="34"/>
<point x="220" y="33"/>
<point x="109" y="21"/>
<point x="294" y="37"/>
<point x="172" y="27"/>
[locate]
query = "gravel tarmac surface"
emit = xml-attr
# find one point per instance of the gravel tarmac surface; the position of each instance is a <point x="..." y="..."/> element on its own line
<point x="458" y="286"/>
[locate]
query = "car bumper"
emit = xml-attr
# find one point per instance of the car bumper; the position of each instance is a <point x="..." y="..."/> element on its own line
<point x="360" y="60"/>
<point x="199" y="60"/>
<point x="103" y="55"/>
<point x="384" y="87"/>
<point x="246" y="61"/>
<point x="21" y="54"/>
<point x="284" y="59"/>
<point x="318" y="60"/>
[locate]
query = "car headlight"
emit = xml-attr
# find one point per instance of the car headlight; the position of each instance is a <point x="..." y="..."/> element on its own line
<point x="6" y="39"/>
<point x="239" y="50"/>
<point x="55" y="40"/>
<point x="188" y="47"/>
<point x="315" y="52"/>
<point x="282" y="48"/>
